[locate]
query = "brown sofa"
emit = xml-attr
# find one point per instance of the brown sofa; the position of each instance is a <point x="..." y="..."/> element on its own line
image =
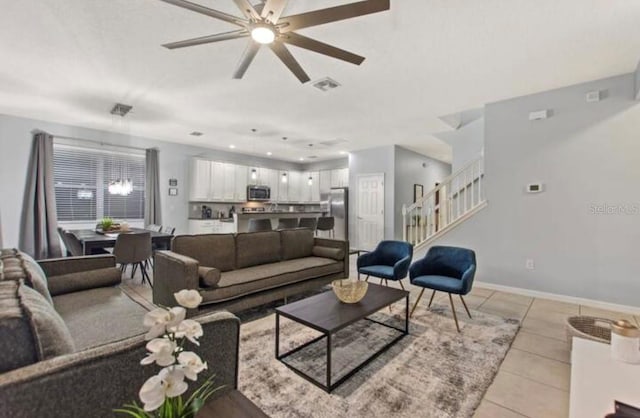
<point x="72" y="341"/>
<point x="237" y="272"/>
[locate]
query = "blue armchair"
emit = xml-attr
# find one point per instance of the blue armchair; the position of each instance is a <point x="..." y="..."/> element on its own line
<point x="389" y="261"/>
<point x="447" y="269"/>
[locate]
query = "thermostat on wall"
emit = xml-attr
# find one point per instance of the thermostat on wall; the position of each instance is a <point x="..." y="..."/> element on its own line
<point x="534" y="188"/>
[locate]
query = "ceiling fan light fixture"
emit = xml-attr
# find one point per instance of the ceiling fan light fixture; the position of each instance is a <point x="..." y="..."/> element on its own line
<point x="263" y="34"/>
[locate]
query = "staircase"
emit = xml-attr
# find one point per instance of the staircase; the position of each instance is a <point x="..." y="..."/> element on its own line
<point x="455" y="199"/>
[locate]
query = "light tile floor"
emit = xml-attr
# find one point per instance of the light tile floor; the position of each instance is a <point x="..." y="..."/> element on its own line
<point x="534" y="378"/>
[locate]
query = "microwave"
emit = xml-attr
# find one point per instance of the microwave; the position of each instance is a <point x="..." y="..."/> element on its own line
<point x="260" y="193"/>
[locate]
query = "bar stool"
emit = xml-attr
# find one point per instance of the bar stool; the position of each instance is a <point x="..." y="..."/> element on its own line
<point x="287" y="223"/>
<point x="310" y="223"/>
<point x="326" y="223"/>
<point x="260" y="225"/>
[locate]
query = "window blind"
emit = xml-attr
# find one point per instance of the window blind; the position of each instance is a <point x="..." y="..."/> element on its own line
<point x="81" y="181"/>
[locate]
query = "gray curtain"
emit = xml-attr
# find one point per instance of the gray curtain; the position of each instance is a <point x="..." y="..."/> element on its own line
<point x="38" y="234"/>
<point x="152" y="189"/>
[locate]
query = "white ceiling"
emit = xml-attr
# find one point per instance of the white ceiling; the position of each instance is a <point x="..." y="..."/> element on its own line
<point x="69" y="61"/>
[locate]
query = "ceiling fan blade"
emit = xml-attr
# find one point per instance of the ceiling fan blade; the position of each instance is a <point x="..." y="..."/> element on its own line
<point x="293" y="38"/>
<point x="247" y="9"/>
<point x="247" y="57"/>
<point x="285" y="56"/>
<point x="241" y="33"/>
<point x="332" y="14"/>
<point x="273" y="10"/>
<point x="207" y="11"/>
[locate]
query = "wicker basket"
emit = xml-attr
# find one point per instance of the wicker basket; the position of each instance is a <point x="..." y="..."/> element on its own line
<point x="589" y="328"/>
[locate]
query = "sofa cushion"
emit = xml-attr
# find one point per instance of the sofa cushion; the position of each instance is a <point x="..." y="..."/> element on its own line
<point x="100" y="316"/>
<point x="21" y="266"/>
<point x="211" y="250"/>
<point x="74" y="282"/>
<point x="209" y="276"/>
<point x="31" y="329"/>
<point x="242" y="282"/>
<point x="254" y="248"/>
<point x="296" y="243"/>
<point x="328" y="252"/>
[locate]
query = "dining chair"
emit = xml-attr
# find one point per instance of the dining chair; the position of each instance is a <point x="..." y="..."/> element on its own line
<point x="259" y="225"/>
<point x="310" y="223"/>
<point x="389" y="261"/>
<point x="134" y="248"/>
<point x="326" y="223"/>
<point x="287" y="223"/>
<point x="154" y="228"/>
<point x="447" y="269"/>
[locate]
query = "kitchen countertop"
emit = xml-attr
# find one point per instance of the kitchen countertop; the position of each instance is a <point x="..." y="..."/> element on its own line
<point x="212" y="219"/>
<point x="284" y="212"/>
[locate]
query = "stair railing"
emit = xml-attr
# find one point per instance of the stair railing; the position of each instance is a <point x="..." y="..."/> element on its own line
<point x="452" y="199"/>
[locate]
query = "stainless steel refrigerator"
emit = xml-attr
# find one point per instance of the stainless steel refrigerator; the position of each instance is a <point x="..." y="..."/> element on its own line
<point x="336" y="204"/>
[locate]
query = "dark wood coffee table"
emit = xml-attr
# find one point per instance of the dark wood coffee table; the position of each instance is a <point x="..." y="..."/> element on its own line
<point x="326" y="314"/>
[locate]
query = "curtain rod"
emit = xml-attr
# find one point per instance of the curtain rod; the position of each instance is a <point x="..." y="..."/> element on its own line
<point x="101" y="143"/>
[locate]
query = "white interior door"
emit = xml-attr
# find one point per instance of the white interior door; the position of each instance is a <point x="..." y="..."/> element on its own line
<point x="370" y="210"/>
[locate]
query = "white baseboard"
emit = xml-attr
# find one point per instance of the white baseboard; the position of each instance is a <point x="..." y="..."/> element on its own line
<point x="634" y="310"/>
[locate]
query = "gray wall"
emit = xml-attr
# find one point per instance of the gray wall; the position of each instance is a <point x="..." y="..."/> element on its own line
<point x="372" y="161"/>
<point x="467" y="144"/>
<point x="413" y="168"/>
<point x="15" y="145"/>
<point x="637" y="81"/>
<point x="588" y="156"/>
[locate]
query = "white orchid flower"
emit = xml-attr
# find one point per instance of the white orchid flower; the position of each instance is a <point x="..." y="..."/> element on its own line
<point x="169" y="383"/>
<point x="191" y="364"/>
<point x="161" y="320"/>
<point x="160" y="351"/>
<point x="188" y="298"/>
<point x="152" y="393"/>
<point x="156" y="320"/>
<point x="190" y="329"/>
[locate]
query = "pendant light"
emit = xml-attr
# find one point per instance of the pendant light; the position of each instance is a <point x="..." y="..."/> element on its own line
<point x="284" y="178"/>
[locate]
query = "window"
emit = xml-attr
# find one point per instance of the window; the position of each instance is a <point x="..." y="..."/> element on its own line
<point x="81" y="181"/>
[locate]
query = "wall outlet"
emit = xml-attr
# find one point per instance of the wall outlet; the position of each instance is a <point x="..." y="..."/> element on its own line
<point x="529" y="264"/>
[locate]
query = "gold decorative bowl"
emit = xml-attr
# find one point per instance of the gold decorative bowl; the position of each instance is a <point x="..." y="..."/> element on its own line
<point x="350" y="291"/>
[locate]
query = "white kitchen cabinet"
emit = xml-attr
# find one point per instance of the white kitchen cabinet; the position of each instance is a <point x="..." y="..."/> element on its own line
<point x="211" y="226"/>
<point x="200" y="180"/>
<point x="325" y="181"/>
<point x="295" y="186"/>
<point x="283" y="187"/>
<point x="240" y="183"/>
<point x="229" y="189"/>
<point x="315" y="187"/>
<point x="340" y="177"/>
<point x="217" y="181"/>
<point x="271" y="179"/>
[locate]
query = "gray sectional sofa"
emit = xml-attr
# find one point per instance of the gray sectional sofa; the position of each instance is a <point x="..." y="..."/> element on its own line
<point x="71" y="341"/>
<point x="237" y="272"/>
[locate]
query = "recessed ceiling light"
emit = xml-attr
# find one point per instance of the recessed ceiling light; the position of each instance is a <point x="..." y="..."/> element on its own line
<point x="301" y="159"/>
<point x="196" y="133"/>
<point x="343" y="152"/>
<point x="232" y="146"/>
<point x="269" y="153"/>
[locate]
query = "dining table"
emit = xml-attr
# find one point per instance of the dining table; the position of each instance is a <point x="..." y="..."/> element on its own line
<point x="92" y="239"/>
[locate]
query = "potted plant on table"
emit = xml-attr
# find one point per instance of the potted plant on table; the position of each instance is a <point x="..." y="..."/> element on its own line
<point x="106" y="224"/>
<point x="169" y="331"/>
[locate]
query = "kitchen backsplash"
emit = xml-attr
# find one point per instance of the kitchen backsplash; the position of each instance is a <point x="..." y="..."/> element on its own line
<point x="218" y="210"/>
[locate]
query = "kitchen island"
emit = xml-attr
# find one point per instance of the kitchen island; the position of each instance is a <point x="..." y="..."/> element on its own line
<point x="274" y="216"/>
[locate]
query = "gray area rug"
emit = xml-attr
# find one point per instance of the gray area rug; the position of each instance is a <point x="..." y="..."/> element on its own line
<point x="433" y="372"/>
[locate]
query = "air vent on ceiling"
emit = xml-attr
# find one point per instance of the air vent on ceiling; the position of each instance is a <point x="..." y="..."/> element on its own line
<point x="326" y="84"/>
<point x="333" y="142"/>
<point x="196" y="133"/>
<point x="312" y="157"/>
<point x="121" y="109"/>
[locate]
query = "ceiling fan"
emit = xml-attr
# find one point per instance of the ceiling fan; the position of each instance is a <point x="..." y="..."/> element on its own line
<point x="265" y="26"/>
